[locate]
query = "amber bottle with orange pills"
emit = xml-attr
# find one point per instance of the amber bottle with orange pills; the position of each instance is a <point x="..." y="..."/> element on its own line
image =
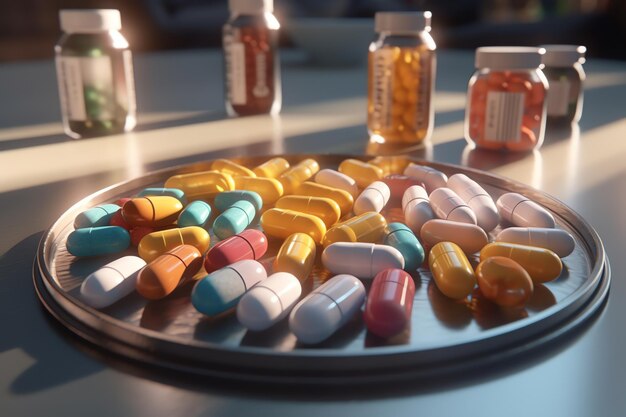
<point x="252" y="70"/>
<point x="506" y="106"/>
<point x="401" y="79"/>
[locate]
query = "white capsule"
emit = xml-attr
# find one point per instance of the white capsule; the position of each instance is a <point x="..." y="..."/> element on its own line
<point x="477" y="199"/>
<point x="521" y="211"/>
<point x="337" y="179"/>
<point x="557" y="240"/>
<point x="363" y="260"/>
<point x="112" y="282"/>
<point x="449" y="206"/>
<point x="430" y="177"/>
<point x="326" y="309"/>
<point x="416" y="208"/>
<point x="373" y="198"/>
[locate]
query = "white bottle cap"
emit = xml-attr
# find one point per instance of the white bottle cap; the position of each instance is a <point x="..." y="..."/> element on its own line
<point x="563" y="55"/>
<point x="402" y="22"/>
<point x="508" y="57"/>
<point x="90" y="20"/>
<point x="250" y="6"/>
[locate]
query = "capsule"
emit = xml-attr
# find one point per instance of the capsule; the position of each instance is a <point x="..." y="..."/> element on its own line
<point x="281" y="223"/>
<point x="297" y="174"/>
<point x="557" y="240"/>
<point x="249" y="244"/>
<point x="138" y="233"/>
<point x="416" y="208"/>
<point x="542" y="265"/>
<point x="367" y="227"/>
<point x="398" y="236"/>
<point x="160" y="191"/>
<point x="157" y="243"/>
<point x="272" y="168"/>
<point x="341" y="197"/>
<point x="228" y="198"/>
<point x="195" y="214"/>
<point x="449" y="206"/>
<point x="373" y="198"/>
<point x="165" y="273"/>
<point x="504" y="281"/>
<point x="112" y="282"/>
<point x="469" y="237"/>
<point x="118" y="220"/>
<point x="452" y="272"/>
<point x="157" y="211"/>
<point x="296" y="256"/>
<point x="220" y="291"/>
<point x="231" y="168"/>
<point x="391" y="164"/>
<point x="363" y="260"/>
<point x="96" y="241"/>
<point x="96" y="216"/>
<point x="398" y="184"/>
<point x="339" y="180"/>
<point x="234" y="220"/>
<point x="523" y="212"/>
<point x="477" y="199"/>
<point x="363" y="173"/>
<point x="269" y="189"/>
<point x="328" y="308"/>
<point x="201" y="185"/>
<point x="430" y="177"/>
<point x="324" y="208"/>
<point x="269" y="301"/>
<point x="389" y="303"/>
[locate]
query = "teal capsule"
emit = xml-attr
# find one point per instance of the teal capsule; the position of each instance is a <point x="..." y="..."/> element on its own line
<point x="226" y="199"/>
<point x="94" y="241"/>
<point x="172" y="192"/>
<point x="234" y="219"/>
<point x="399" y="236"/>
<point x="195" y="214"/>
<point x="96" y="216"/>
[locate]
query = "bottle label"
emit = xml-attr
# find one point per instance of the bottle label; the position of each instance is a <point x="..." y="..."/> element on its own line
<point x="236" y="72"/>
<point x="503" y="120"/>
<point x="424" y="90"/>
<point x="558" y="97"/>
<point x="382" y="89"/>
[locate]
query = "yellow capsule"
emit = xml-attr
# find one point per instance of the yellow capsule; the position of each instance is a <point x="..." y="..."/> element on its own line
<point x="269" y="189"/>
<point x="272" y="168"/>
<point x="452" y="272"/>
<point x="296" y="256"/>
<point x="363" y="173"/>
<point x="228" y="167"/>
<point x="296" y="175"/>
<point x="201" y="185"/>
<point x="391" y="164"/>
<point x="341" y="197"/>
<point x="542" y="264"/>
<point x="156" y="244"/>
<point x="281" y="223"/>
<point x="368" y="227"/>
<point x="324" y="208"/>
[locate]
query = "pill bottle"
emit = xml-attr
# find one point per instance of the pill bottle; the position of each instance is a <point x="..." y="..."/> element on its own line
<point x="401" y="78"/>
<point x="506" y="104"/>
<point x="564" y="71"/>
<point x="95" y="74"/>
<point x="252" y="67"/>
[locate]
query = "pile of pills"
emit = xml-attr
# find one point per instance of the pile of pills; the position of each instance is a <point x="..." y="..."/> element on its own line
<point x="335" y="215"/>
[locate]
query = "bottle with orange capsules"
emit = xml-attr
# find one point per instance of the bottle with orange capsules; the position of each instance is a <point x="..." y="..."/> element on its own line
<point x="506" y="105"/>
<point x="401" y="79"/>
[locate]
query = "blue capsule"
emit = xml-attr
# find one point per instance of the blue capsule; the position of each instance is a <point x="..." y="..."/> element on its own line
<point x="234" y="219"/>
<point x="226" y="199"/>
<point x="399" y="236"/>
<point x="195" y="214"/>
<point x="94" y="241"/>
<point x="96" y="216"/>
<point x="172" y="192"/>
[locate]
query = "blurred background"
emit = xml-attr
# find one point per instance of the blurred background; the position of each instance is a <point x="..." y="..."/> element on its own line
<point x="30" y="28"/>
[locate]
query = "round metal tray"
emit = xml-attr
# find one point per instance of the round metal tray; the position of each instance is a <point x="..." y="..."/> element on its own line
<point x="444" y="334"/>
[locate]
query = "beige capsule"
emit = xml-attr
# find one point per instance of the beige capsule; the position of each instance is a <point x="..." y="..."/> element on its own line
<point x="469" y="237"/>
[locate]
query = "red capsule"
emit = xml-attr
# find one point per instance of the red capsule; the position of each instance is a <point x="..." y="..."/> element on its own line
<point x="249" y="244"/>
<point x="389" y="303"/>
<point x="121" y="201"/>
<point x="398" y="184"/>
<point x="137" y="233"/>
<point x="118" y="220"/>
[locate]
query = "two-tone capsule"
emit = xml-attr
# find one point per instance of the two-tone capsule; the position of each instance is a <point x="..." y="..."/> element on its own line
<point x="112" y="282"/>
<point x="363" y="260"/>
<point x="389" y="303"/>
<point x="249" y="244"/>
<point x="451" y="271"/>
<point x="296" y="256"/>
<point x="281" y="223"/>
<point x="399" y="236"/>
<point x="157" y="243"/>
<point x="367" y="227"/>
<point x="235" y="219"/>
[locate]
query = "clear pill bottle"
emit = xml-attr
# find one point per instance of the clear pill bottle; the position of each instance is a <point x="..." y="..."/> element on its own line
<point x="95" y="74"/>
<point x="252" y="67"/>
<point x="565" y="73"/>
<point x="506" y="106"/>
<point x="401" y="78"/>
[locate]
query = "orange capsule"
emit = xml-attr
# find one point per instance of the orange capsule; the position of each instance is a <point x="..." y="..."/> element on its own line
<point x="504" y="281"/>
<point x="451" y="270"/>
<point x="542" y="265"/>
<point x="154" y="211"/>
<point x="157" y="243"/>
